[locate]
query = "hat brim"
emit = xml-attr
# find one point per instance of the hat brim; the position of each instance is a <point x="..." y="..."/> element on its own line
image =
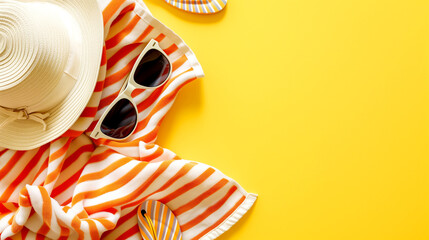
<point x="199" y="6"/>
<point x="24" y="134"/>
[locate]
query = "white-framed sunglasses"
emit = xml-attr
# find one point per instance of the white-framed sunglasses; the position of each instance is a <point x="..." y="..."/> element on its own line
<point x="151" y="70"/>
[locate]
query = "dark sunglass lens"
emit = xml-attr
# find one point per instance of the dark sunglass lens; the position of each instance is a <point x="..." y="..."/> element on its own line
<point x="152" y="70"/>
<point x="121" y="120"/>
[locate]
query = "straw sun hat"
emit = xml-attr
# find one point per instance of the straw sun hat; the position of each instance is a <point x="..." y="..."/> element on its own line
<point x="50" y="53"/>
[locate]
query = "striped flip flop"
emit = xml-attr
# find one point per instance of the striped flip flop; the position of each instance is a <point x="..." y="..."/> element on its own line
<point x="157" y="222"/>
<point x="199" y="6"/>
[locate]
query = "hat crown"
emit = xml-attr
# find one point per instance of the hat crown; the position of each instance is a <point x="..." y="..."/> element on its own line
<point x="50" y="54"/>
<point x="34" y="51"/>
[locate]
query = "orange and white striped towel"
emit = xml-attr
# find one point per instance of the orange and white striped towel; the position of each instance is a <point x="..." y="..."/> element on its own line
<point x="74" y="188"/>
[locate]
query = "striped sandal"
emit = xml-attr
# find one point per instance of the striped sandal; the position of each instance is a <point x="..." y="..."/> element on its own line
<point x="157" y="222"/>
<point x="199" y="6"/>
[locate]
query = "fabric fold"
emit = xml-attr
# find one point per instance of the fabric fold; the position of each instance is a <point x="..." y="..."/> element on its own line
<point x="205" y="201"/>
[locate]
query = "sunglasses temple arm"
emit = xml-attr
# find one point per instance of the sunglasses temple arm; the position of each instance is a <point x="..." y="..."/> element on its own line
<point x="125" y="84"/>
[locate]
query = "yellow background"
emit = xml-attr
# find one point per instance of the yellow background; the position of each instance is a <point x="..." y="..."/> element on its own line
<point x="319" y="106"/>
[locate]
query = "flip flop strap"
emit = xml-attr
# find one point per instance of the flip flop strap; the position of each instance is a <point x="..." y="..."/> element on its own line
<point x="152" y="227"/>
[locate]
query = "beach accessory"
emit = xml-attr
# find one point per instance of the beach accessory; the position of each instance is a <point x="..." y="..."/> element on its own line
<point x="151" y="70"/>
<point x="50" y="53"/>
<point x="157" y="222"/>
<point x="196" y="6"/>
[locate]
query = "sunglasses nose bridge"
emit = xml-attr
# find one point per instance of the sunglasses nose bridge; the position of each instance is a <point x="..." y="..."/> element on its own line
<point x="129" y="89"/>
